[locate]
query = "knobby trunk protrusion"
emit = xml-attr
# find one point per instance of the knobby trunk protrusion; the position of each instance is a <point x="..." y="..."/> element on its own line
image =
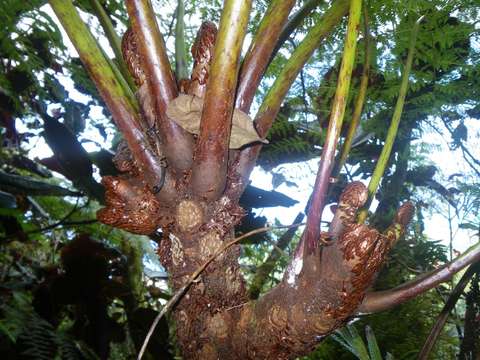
<point x="202" y="53"/>
<point x="319" y="291"/>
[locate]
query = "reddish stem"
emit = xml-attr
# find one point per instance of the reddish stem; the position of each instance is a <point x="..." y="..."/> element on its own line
<point x="211" y="154"/>
<point x="293" y="23"/>
<point x="260" y="51"/>
<point x="177" y="143"/>
<point x="383" y="300"/>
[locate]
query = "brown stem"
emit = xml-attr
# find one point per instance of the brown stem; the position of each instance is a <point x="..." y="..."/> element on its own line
<point x="313" y="299"/>
<point x="177" y="143"/>
<point x="442" y="317"/>
<point x="260" y="51"/>
<point x="383" y="300"/>
<point x="211" y="153"/>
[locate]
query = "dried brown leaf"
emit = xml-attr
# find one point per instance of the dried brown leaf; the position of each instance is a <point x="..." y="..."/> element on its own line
<point x="186" y="111"/>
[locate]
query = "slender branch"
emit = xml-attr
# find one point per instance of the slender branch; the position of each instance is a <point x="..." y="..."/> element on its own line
<point x="443" y="316"/>
<point x="64" y="223"/>
<point x="393" y="129"/>
<point x="52" y="226"/>
<point x="25" y="185"/>
<point x="211" y="153"/>
<point x="266" y="268"/>
<point x="70" y="213"/>
<point x="124" y="114"/>
<point x="114" y="40"/>
<point x="177" y="144"/>
<point x="360" y="101"/>
<point x="470" y="345"/>
<point x="180" y="54"/>
<point x="170" y="28"/>
<point x="312" y="231"/>
<point x="293" y="23"/>
<point x="180" y="292"/>
<point x="48" y="227"/>
<point x="274" y="99"/>
<point x="383" y="300"/>
<point x="260" y="51"/>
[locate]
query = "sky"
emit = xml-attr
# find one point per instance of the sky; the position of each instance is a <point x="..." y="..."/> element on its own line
<point x="303" y="174"/>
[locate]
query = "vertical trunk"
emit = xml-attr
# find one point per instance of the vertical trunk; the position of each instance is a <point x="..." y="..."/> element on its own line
<point x="204" y="316"/>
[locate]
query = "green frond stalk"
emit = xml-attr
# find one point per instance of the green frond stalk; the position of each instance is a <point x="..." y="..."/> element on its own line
<point x="114" y="41"/>
<point x="111" y="90"/>
<point x="123" y="83"/>
<point x="180" y="55"/>
<point x="393" y="129"/>
<point x="312" y="230"/>
<point x="360" y="101"/>
<point x="92" y="56"/>
<point x="273" y="100"/>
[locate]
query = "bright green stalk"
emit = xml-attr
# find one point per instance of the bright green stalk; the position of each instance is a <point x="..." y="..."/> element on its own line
<point x="180" y="54"/>
<point x="312" y="230"/>
<point x="360" y="101"/>
<point x="114" y="41"/>
<point x="393" y="129"/>
<point x="300" y="56"/>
